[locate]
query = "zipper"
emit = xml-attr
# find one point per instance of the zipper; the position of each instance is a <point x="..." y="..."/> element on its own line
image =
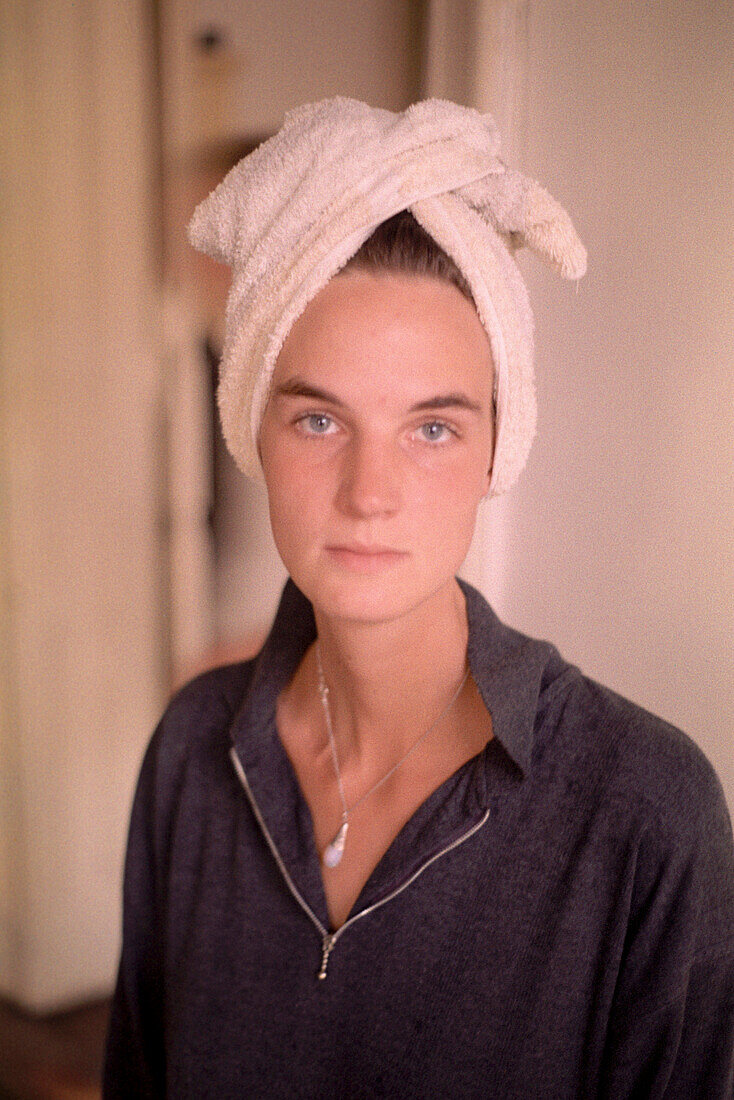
<point x="327" y="945"/>
<point x="271" y="844"/>
<point x="328" y="939"/>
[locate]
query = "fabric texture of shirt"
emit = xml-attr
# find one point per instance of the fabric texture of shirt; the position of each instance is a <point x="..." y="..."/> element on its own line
<point x="556" y="919"/>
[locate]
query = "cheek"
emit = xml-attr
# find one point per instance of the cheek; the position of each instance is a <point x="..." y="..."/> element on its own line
<point x="290" y="532"/>
<point x="452" y="489"/>
<point x="444" y="512"/>
<point x="297" y="506"/>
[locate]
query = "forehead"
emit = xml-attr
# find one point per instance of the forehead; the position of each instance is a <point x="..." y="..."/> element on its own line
<point x="395" y="334"/>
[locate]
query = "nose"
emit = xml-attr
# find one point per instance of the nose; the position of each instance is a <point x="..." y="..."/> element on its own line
<point x="370" y="479"/>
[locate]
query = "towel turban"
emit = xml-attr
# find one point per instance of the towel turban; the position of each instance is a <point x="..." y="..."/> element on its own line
<point x="293" y="212"/>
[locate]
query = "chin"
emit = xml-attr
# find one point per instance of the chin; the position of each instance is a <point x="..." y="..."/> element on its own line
<point x="370" y="599"/>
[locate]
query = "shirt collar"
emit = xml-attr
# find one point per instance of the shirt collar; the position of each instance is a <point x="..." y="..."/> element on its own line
<point x="508" y="668"/>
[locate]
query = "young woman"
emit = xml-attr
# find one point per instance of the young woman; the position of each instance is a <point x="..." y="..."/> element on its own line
<point x="407" y="851"/>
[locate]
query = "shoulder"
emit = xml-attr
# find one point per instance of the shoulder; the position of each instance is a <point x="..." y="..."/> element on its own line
<point x="651" y="788"/>
<point x="646" y="798"/>
<point x="583" y="740"/>
<point x="198" y="719"/>
<point x="185" y="774"/>
<point x="634" y="756"/>
<point x="210" y="698"/>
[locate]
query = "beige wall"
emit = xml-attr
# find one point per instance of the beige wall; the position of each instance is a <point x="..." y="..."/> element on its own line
<point x="80" y="426"/>
<point x="273" y="56"/>
<point x="617" y="543"/>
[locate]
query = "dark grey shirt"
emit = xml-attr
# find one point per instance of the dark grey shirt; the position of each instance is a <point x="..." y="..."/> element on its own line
<point x="556" y="920"/>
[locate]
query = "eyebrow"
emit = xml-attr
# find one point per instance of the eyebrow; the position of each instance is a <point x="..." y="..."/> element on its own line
<point x="296" y="387"/>
<point x="448" y="401"/>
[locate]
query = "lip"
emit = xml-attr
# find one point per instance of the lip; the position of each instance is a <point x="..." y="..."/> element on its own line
<point x="362" y="558"/>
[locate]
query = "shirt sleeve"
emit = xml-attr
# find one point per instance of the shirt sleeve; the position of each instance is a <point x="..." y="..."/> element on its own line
<point x="135" y="1059"/>
<point x="671" y="1031"/>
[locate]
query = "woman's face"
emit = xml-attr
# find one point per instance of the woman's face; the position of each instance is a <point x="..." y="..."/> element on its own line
<point x="376" y="442"/>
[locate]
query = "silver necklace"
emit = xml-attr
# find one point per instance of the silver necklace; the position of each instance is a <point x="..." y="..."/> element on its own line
<point x="334" y="851"/>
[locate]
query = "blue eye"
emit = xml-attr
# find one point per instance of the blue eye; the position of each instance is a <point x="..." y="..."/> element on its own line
<point x="316" y="423"/>
<point x="435" y="431"/>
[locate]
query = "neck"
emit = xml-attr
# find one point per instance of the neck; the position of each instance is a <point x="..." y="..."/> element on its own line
<point x="389" y="681"/>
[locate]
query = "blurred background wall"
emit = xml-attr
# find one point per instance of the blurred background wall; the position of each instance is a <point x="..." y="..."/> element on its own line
<point x="83" y="639"/>
<point x="618" y="542"/>
<point x="134" y="554"/>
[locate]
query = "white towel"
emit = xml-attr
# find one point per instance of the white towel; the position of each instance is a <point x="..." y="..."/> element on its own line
<point x="294" y="211"/>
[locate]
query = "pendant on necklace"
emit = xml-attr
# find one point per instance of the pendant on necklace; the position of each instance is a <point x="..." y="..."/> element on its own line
<point x="334" y="851"/>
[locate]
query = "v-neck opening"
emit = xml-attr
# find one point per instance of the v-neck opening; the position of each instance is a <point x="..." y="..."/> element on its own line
<point x="457" y="802"/>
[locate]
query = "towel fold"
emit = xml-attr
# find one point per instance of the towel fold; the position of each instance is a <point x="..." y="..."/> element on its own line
<point x="293" y="212"/>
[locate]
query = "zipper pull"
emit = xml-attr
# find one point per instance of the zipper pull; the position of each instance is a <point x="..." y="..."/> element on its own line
<point x="327" y="945"/>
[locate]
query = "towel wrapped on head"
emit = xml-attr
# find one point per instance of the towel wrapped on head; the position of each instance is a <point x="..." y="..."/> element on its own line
<point x="291" y="214"/>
